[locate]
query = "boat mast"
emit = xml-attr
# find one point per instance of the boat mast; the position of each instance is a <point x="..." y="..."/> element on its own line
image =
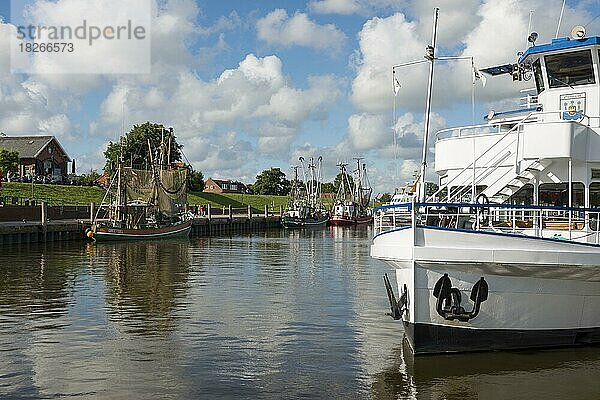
<point x="358" y="184"/>
<point x="295" y="194"/>
<point x="120" y="198"/>
<point x="429" y="55"/>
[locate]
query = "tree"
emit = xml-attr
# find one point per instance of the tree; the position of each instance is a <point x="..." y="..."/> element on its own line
<point x="385" y="198"/>
<point x="9" y="160"/>
<point x="328" y="187"/>
<point x="337" y="182"/>
<point x="196" y="181"/>
<point x="89" y="179"/>
<point x="272" y="181"/>
<point x="133" y="147"/>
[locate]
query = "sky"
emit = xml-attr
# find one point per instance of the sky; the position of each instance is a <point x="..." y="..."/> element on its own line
<point x="249" y="85"/>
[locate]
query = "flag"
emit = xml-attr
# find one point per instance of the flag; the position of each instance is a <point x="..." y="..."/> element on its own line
<point x="477" y="74"/>
<point x="396" y="86"/>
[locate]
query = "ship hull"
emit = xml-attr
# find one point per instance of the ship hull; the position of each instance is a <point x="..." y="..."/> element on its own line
<point x="435" y="339"/>
<point x="104" y="234"/>
<point x="293" y="222"/>
<point x="364" y="220"/>
<point x="542" y="293"/>
<point x="341" y="220"/>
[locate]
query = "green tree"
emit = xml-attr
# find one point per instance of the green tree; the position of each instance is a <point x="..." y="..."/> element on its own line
<point x="328" y="187"/>
<point x="89" y="179"/>
<point x="9" y="160"/>
<point x="134" y="147"/>
<point x="337" y="182"/>
<point x="385" y="198"/>
<point x="272" y="181"/>
<point x="196" y="181"/>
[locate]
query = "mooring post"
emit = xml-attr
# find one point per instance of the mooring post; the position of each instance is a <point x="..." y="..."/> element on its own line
<point x="92" y="211"/>
<point x="208" y="211"/>
<point x="249" y="212"/>
<point x="266" y="211"/>
<point x="44" y="214"/>
<point x="230" y="212"/>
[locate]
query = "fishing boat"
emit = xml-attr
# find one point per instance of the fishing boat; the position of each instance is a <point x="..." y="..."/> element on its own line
<point x="351" y="205"/>
<point x="145" y="203"/>
<point x="306" y="208"/>
<point x="506" y="254"/>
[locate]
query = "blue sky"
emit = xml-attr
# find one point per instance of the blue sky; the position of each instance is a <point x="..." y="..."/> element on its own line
<point x="250" y="85"/>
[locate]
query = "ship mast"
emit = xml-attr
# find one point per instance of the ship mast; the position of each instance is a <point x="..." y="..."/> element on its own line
<point x="430" y="55"/>
<point x="358" y="185"/>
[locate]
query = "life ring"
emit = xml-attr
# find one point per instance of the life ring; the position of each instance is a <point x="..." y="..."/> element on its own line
<point x="482" y="199"/>
<point x="89" y="233"/>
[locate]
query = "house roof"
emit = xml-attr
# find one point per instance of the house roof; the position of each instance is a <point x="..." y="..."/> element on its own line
<point x="222" y="181"/>
<point x="29" y="146"/>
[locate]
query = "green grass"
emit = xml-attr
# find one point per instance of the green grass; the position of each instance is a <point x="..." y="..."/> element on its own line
<point x="84" y="195"/>
<point x="256" y="201"/>
<point x="54" y="194"/>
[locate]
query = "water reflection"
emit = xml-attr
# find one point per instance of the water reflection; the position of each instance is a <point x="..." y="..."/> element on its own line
<point x="295" y="314"/>
<point x="145" y="282"/>
<point x="569" y="373"/>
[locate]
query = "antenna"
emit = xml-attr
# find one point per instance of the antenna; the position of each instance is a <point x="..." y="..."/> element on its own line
<point x="562" y="10"/>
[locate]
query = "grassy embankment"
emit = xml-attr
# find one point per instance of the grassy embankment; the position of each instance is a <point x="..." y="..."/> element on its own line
<point x="84" y="195"/>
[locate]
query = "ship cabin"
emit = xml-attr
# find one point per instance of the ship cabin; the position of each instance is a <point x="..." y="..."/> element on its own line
<point x="545" y="154"/>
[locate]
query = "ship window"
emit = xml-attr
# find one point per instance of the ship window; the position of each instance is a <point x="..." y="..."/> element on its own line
<point x="595" y="195"/>
<point x="570" y="69"/>
<point x="557" y="194"/>
<point x="595" y="173"/>
<point x="537" y="74"/>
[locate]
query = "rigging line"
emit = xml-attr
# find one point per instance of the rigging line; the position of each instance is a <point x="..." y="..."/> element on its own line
<point x="592" y="20"/>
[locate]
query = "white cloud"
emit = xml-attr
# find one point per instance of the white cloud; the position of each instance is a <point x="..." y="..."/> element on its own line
<point x="275" y="138"/>
<point x="57" y="125"/>
<point x="295" y="105"/>
<point x="279" y="28"/>
<point x="344" y="7"/>
<point x="224" y="23"/>
<point x="368" y="131"/>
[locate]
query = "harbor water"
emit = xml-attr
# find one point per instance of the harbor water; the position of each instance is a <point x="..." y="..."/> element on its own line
<point x="277" y="314"/>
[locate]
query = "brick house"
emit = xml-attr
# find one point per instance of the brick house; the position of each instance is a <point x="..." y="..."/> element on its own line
<point x="38" y="156"/>
<point x="225" y="186"/>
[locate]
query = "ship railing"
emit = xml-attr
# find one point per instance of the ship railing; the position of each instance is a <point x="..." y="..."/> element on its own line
<point x="493" y="161"/>
<point x="552" y="222"/>
<point x="499" y="127"/>
<point x="477" y="170"/>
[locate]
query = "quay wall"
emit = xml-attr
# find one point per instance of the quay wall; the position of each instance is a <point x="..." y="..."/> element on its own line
<point x="18" y="232"/>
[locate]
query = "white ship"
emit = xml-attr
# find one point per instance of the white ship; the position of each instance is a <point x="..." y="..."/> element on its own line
<point x="506" y="254"/>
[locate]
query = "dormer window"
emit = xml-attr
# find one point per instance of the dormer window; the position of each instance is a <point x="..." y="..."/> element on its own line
<point x="570" y="69"/>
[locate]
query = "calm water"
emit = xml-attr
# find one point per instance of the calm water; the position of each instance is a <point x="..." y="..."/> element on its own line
<point x="283" y="314"/>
